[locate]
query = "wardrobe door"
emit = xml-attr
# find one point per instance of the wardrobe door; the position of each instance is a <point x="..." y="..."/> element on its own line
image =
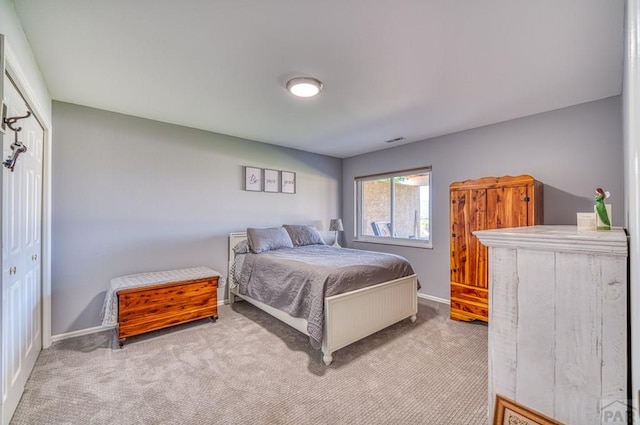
<point x="468" y="256"/>
<point x="459" y="235"/>
<point x="507" y="206"/>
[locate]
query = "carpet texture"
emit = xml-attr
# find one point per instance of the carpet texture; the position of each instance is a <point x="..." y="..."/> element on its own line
<point x="249" y="368"/>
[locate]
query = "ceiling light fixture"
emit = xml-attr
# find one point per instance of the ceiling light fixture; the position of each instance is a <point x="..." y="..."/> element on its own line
<point x="304" y="86"/>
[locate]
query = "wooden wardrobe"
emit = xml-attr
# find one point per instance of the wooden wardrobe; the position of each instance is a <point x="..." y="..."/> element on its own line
<point x="483" y="204"/>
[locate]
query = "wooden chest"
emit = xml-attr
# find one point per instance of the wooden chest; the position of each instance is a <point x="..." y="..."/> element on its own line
<point x="149" y="308"/>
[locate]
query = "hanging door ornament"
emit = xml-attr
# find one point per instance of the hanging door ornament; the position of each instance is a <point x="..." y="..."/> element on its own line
<point x="16" y="147"/>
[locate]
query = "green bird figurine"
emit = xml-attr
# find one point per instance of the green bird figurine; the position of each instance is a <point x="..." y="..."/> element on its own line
<point x="601" y="210"/>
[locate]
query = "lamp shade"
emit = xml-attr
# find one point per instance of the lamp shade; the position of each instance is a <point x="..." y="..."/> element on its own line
<point x="336" y="225"/>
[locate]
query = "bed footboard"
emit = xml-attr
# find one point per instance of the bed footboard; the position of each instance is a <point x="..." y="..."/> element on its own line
<point x="354" y="315"/>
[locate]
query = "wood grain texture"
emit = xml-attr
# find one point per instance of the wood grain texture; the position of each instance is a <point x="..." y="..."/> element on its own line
<point x="535" y="339"/>
<point x="578" y="338"/>
<point x="468" y="302"/>
<point x="502" y="338"/>
<point x="483" y="204"/>
<point x="477" y="220"/>
<point x="614" y="339"/>
<point x="459" y="229"/>
<point x="149" y="308"/>
<point x="565" y="350"/>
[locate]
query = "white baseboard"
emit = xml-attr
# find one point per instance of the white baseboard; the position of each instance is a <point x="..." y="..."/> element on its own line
<point x="87" y="331"/>
<point x="93" y="330"/>
<point x="432" y="298"/>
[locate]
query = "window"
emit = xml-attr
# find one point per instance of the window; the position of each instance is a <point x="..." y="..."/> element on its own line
<point x="394" y="208"/>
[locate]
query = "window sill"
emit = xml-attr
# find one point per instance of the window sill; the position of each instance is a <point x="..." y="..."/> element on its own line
<point x="398" y="242"/>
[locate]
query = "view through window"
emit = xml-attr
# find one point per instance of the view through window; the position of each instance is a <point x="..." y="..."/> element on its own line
<point x="394" y="207"/>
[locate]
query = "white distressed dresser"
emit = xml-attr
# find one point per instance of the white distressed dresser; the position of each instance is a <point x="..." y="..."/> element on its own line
<point x="558" y="320"/>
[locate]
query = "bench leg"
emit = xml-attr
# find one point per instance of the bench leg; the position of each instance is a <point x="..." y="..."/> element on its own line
<point x="121" y="342"/>
<point x="213" y="318"/>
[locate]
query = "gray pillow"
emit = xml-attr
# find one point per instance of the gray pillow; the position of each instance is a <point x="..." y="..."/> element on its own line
<point x="261" y="240"/>
<point x="304" y="235"/>
<point x="241" y="247"/>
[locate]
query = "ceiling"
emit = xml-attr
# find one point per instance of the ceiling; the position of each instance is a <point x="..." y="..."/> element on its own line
<point x="391" y="68"/>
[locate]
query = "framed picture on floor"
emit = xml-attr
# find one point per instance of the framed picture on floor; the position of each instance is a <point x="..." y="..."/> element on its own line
<point x="288" y="182"/>
<point x="253" y="179"/>
<point x="509" y="412"/>
<point x="271" y="180"/>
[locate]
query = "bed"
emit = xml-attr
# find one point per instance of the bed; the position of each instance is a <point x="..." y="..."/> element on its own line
<point x="369" y="303"/>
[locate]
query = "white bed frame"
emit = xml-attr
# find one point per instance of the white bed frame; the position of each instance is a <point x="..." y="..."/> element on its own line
<point x="350" y="316"/>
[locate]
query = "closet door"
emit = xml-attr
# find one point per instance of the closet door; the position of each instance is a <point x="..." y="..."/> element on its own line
<point x="21" y="254"/>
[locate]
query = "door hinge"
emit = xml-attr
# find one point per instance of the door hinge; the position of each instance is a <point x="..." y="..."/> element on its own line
<point x="3" y="115"/>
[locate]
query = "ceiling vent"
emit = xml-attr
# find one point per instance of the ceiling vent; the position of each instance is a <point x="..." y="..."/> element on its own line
<point x="397" y="139"/>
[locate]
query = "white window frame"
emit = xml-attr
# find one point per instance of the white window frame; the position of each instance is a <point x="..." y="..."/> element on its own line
<point x="410" y="242"/>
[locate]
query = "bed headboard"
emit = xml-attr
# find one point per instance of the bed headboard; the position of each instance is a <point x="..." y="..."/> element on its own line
<point x="234" y="239"/>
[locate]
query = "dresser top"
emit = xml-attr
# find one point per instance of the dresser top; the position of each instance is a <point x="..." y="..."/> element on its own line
<point x="557" y="238"/>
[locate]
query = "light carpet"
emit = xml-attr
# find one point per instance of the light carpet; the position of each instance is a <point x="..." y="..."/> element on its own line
<point x="249" y="368"/>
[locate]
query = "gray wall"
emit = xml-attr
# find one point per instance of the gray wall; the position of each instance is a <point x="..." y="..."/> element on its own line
<point x="132" y="195"/>
<point x="571" y="151"/>
<point x="16" y="40"/>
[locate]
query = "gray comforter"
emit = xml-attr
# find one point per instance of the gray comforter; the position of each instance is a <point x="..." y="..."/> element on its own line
<point x="296" y="280"/>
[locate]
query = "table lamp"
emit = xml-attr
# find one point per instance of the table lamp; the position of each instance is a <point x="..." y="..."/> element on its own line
<point x="336" y="226"/>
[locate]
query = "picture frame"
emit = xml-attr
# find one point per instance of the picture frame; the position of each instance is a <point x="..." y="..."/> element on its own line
<point x="271" y="180"/>
<point x="586" y="222"/>
<point x="253" y="179"/>
<point x="508" y="412"/>
<point x="288" y="182"/>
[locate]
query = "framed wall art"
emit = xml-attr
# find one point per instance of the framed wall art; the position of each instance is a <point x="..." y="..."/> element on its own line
<point x="509" y="412"/>
<point x="253" y="179"/>
<point x="288" y="182"/>
<point x="271" y="180"/>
